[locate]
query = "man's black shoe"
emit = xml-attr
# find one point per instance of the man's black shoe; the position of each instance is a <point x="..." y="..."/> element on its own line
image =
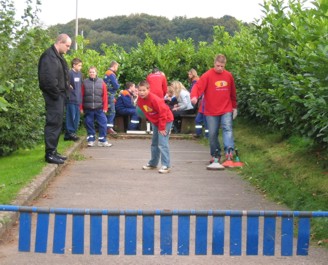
<point x="53" y="159"/>
<point x="71" y="137"/>
<point x="60" y="156"/>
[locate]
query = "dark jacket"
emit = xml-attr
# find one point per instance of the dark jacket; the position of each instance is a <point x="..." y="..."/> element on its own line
<point x="53" y="73"/>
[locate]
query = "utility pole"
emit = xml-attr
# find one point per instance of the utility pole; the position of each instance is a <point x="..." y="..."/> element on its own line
<point x="76" y="25"/>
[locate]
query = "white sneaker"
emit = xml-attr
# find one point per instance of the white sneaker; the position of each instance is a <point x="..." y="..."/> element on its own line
<point x="164" y="170"/>
<point x="148" y="167"/>
<point x="105" y="144"/>
<point x="91" y="143"/>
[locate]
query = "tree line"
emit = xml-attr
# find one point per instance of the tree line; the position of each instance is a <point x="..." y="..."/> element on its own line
<point x="128" y="31"/>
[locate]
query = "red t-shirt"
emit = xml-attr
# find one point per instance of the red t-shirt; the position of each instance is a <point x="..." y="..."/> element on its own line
<point x="158" y="84"/>
<point x="155" y="110"/>
<point x="219" y="92"/>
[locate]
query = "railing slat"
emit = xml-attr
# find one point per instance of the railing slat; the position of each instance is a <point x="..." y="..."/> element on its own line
<point x="269" y="236"/>
<point x="235" y="235"/>
<point x="25" y="226"/>
<point x="166" y="235"/>
<point x="183" y="234"/>
<point x="113" y="228"/>
<point x="303" y="239"/>
<point x="201" y="235"/>
<point x="59" y="234"/>
<point x="130" y="235"/>
<point x="218" y="235"/>
<point x="78" y="234"/>
<point x="148" y="235"/>
<point x="41" y="237"/>
<point x="287" y="233"/>
<point x="95" y="234"/>
<point x="252" y="240"/>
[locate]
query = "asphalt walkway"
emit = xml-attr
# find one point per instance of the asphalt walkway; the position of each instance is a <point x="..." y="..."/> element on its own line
<point x="112" y="178"/>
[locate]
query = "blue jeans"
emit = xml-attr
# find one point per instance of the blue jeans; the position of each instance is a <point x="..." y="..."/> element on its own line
<point x="111" y="111"/>
<point x="72" y="118"/>
<point x="160" y="147"/>
<point x="89" y="117"/>
<point x="214" y="123"/>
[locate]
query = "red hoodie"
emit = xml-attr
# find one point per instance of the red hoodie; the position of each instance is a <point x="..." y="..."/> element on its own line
<point x="156" y="111"/>
<point x="219" y="92"/>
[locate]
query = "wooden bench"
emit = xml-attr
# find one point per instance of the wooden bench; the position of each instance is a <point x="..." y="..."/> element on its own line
<point x="188" y="123"/>
<point x="122" y="123"/>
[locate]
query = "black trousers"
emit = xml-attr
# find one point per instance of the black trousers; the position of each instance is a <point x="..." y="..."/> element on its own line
<point x="54" y="121"/>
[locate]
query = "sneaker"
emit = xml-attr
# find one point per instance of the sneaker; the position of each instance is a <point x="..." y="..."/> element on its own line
<point x="91" y="143"/>
<point x="105" y="144"/>
<point x="213" y="159"/>
<point x="148" y="167"/>
<point x="164" y="170"/>
<point x="229" y="161"/>
<point x="111" y="131"/>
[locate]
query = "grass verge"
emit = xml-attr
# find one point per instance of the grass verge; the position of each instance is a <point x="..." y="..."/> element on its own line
<point x="293" y="171"/>
<point x="19" y="169"/>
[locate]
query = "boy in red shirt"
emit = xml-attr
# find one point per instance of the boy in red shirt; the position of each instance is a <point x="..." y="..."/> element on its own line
<point x="161" y="117"/>
<point x="220" y="109"/>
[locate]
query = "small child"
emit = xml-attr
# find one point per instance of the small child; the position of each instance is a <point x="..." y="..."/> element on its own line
<point x="161" y="118"/>
<point x="74" y="101"/>
<point x="94" y="106"/>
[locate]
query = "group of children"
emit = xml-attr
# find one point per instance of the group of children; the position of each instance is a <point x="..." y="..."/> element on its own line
<point x="216" y="88"/>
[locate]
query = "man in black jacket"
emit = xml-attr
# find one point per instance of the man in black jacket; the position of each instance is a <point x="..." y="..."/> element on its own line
<point x="54" y="83"/>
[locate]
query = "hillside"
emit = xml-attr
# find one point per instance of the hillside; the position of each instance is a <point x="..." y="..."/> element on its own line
<point x="128" y="31"/>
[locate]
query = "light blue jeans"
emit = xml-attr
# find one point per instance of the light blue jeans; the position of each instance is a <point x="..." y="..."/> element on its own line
<point x="160" y="147"/>
<point x="214" y="123"/>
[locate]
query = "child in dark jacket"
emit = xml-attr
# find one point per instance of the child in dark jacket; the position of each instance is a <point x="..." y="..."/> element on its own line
<point x="125" y="105"/>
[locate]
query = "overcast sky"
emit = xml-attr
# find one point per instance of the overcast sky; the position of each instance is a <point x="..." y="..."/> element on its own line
<point x="63" y="11"/>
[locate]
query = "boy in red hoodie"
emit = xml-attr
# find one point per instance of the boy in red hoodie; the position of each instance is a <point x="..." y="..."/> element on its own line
<point x="161" y="117"/>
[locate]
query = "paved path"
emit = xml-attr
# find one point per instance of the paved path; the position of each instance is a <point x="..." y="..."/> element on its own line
<point x="112" y="178"/>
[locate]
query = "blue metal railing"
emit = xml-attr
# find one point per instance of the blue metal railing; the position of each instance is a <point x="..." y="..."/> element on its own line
<point x="202" y="218"/>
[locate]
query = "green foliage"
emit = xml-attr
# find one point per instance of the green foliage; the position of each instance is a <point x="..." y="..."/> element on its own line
<point x="21" y="104"/>
<point x="129" y="31"/>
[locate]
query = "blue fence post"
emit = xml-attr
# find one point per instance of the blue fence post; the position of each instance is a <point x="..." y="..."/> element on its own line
<point x="287" y="233"/>
<point x="235" y="233"/>
<point x="218" y="233"/>
<point x="148" y="234"/>
<point x="269" y="235"/>
<point x="113" y="236"/>
<point x="42" y="227"/>
<point x="130" y="233"/>
<point x="95" y="232"/>
<point x="59" y="233"/>
<point x="303" y="238"/>
<point x="166" y="233"/>
<point x="201" y="233"/>
<point x="183" y="233"/>
<point x="252" y="239"/>
<point x="25" y="226"/>
<point x="78" y="233"/>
